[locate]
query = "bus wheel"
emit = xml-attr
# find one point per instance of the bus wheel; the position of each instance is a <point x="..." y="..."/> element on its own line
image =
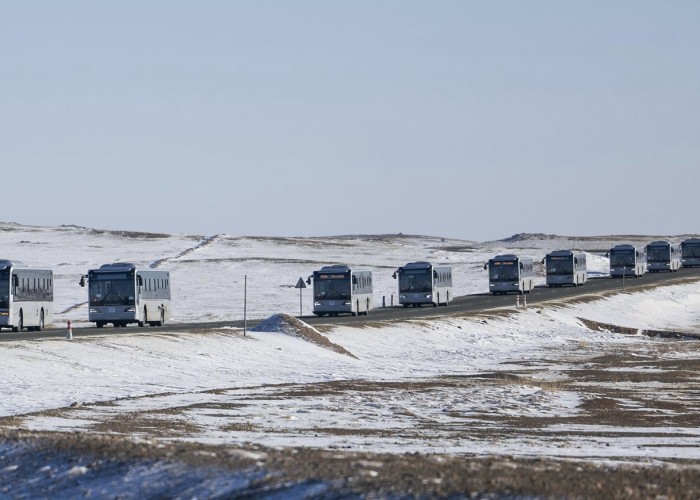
<point x="99" y="324"/>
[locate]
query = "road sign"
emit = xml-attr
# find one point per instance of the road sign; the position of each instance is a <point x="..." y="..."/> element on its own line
<point x="300" y="285"/>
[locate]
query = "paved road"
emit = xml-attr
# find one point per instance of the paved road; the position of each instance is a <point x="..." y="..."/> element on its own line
<point x="464" y="304"/>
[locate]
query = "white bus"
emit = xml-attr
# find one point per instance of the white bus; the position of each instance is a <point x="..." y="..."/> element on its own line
<point x="422" y="283"/>
<point x="565" y="267"/>
<point x="339" y="289"/>
<point x="627" y="261"/>
<point x="510" y="273"/>
<point x="122" y="294"/>
<point x="690" y="251"/>
<point x="26" y="296"/>
<point x="663" y="256"/>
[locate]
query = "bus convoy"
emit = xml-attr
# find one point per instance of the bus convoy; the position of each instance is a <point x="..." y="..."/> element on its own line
<point x="122" y="293"/>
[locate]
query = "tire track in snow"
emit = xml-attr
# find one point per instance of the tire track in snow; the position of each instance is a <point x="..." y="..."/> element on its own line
<point x="201" y="244"/>
<point x="73" y="307"/>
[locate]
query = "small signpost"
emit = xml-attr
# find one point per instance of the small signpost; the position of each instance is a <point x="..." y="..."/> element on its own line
<point x="300" y="285"/>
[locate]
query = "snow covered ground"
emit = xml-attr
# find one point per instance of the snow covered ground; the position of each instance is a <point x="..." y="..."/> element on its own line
<point x="220" y="387"/>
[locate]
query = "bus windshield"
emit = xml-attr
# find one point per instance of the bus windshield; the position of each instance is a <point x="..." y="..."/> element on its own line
<point x="5" y="289"/>
<point x="622" y="258"/>
<point x="560" y="266"/>
<point x="691" y="250"/>
<point x="332" y="288"/>
<point x="660" y="254"/>
<point x="504" y="271"/>
<point x="415" y="281"/>
<point x="106" y="290"/>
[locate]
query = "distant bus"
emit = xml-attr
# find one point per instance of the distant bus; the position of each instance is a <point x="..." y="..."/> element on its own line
<point x="339" y="289"/>
<point x="26" y="296"/>
<point x="123" y="294"/>
<point x="627" y="260"/>
<point x="663" y="256"/>
<point x="510" y="273"/>
<point x="565" y="267"/>
<point x="422" y="283"/>
<point x="690" y="252"/>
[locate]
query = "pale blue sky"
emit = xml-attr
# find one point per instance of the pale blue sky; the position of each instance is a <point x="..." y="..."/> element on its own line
<point x="463" y="119"/>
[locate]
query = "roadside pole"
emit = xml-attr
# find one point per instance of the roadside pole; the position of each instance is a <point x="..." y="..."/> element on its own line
<point x="624" y="268"/>
<point x="245" y="304"/>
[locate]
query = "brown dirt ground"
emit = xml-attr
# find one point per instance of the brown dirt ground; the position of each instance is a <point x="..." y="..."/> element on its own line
<point x="441" y="475"/>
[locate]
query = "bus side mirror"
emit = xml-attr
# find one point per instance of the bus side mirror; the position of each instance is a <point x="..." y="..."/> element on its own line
<point x="15" y="280"/>
<point x="82" y="281"/>
<point x="486" y="266"/>
<point x="542" y="261"/>
<point x="607" y="254"/>
<point x="435" y="274"/>
<point x="308" y="280"/>
<point x="394" y="275"/>
<point x="521" y="266"/>
<point x="354" y="280"/>
<point x="575" y="261"/>
<point x="139" y="280"/>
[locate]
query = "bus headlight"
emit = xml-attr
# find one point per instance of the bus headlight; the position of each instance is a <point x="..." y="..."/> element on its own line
<point x="402" y="296"/>
<point x="347" y="303"/>
<point x="516" y="284"/>
<point x="316" y="304"/>
<point x="93" y="310"/>
<point x="428" y="296"/>
<point x="130" y="310"/>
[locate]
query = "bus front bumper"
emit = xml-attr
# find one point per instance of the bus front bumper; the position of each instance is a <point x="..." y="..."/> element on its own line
<point x="332" y="306"/>
<point x="112" y="313"/>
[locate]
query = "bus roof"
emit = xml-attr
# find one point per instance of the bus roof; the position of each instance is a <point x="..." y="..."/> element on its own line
<point x="508" y="257"/>
<point x="562" y="253"/>
<point x="623" y="246"/>
<point x="418" y="265"/>
<point x="116" y="267"/>
<point x="692" y="241"/>
<point x="659" y="243"/>
<point x="5" y="263"/>
<point x="334" y="268"/>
